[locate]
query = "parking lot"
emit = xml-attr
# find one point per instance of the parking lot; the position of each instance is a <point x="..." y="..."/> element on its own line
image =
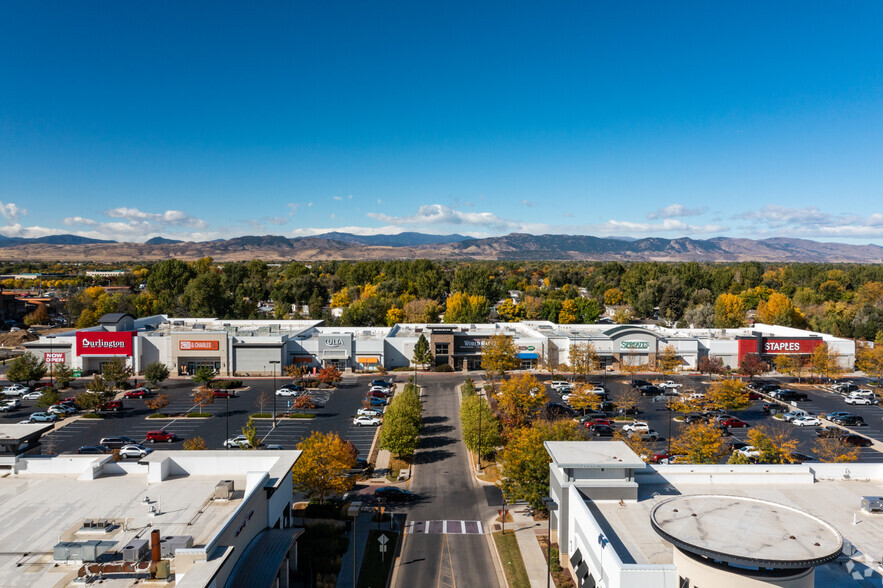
<point x="821" y="401"/>
<point x="229" y="416"/>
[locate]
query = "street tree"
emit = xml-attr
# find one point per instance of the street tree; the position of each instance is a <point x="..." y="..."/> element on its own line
<point x="792" y="365"/>
<point x="699" y="443"/>
<point x="833" y="450"/>
<point x="159" y="402"/>
<point x="330" y="376"/>
<point x="549" y="358"/>
<point x="117" y="372"/>
<point x="525" y="461"/>
<point x="583" y="359"/>
<point x="64" y="375"/>
<point x="203" y="376"/>
<point x="775" y="443"/>
<point x="870" y="360"/>
<point x="322" y="468"/>
<point x="251" y="434"/>
<point x="402" y="422"/>
<point x="499" y="356"/>
<point x="728" y="394"/>
<point x="195" y="444"/>
<point x="26" y="368"/>
<point x="582" y="398"/>
<point x="626" y="397"/>
<point x="262" y="400"/>
<point x="203" y="395"/>
<point x="751" y="365"/>
<point x="422" y="354"/>
<point x="155" y="374"/>
<point x="668" y="361"/>
<point x="50" y="396"/>
<point x="711" y="365"/>
<point x="825" y="362"/>
<point x="481" y="427"/>
<point x="519" y="400"/>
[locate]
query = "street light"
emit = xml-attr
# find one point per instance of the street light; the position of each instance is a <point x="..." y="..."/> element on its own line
<point x="480" y="407"/>
<point x="551" y="506"/>
<point x="51" y="361"/>
<point x="274" y="363"/>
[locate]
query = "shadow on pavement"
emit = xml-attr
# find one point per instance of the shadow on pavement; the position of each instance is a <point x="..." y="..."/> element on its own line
<point x="433" y="456"/>
<point x="436" y="429"/>
<point x="434" y="419"/>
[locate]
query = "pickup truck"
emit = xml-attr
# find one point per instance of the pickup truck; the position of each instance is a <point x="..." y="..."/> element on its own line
<point x="669" y="385"/>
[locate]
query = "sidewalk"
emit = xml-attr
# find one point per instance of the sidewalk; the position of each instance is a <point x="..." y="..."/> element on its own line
<point x="363" y="525"/>
<point x="526" y="534"/>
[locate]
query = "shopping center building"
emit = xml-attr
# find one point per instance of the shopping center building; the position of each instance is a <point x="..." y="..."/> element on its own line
<point x="252" y="347"/>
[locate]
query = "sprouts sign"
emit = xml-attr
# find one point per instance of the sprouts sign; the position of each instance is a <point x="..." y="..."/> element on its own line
<point x="634" y="345"/>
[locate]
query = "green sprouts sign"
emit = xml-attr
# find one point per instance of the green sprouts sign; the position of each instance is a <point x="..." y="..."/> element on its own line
<point x="634" y="345"/>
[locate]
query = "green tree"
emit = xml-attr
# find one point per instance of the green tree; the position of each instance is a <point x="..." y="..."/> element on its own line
<point x="251" y="434"/>
<point x="155" y="374"/>
<point x="50" y="396"/>
<point x="322" y="468"/>
<point x="490" y="426"/>
<point x="63" y="374"/>
<point x="203" y="376"/>
<point x="27" y="367"/>
<point x="499" y="356"/>
<point x="583" y="359"/>
<point x="96" y="395"/>
<point x="118" y="372"/>
<point x="402" y="422"/>
<point x="422" y="354"/>
<point x="525" y="460"/>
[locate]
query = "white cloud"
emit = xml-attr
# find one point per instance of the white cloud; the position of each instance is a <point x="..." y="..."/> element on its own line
<point x="379" y="201"/>
<point x="337" y="197"/>
<point x="293" y="206"/>
<point x="666" y="226"/>
<point x="437" y="214"/>
<point x="527" y="203"/>
<point x="11" y="211"/>
<point x="779" y="215"/>
<point x="79" y="220"/>
<point x="675" y="211"/>
<point x="169" y="217"/>
<point x="16" y="230"/>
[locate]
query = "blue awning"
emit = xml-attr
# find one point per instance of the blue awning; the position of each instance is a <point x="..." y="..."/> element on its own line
<point x="527" y="356"/>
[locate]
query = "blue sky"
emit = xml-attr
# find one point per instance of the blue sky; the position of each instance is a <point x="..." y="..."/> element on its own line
<point x="192" y="120"/>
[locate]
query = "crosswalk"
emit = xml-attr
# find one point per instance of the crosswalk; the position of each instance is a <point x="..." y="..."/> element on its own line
<point x="445" y="527"/>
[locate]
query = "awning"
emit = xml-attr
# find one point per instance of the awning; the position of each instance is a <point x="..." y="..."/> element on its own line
<point x="367" y="360"/>
<point x="527" y="356"/>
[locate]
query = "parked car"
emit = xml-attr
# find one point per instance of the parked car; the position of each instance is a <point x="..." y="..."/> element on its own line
<point x="556" y="384"/>
<point x="806" y="421"/>
<point x="288" y="392"/>
<point x="360" y="421"/>
<point x="856" y="440"/>
<point x="733" y="422"/>
<point x="830" y="432"/>
<point x="16" y="390"/>
<point x="790" y="395"/>
<point x="393" y="494"/>
<point x="797" y="457"/>
<point x="845" y="387"/>
<point x="43" y="417"/>
<point x="695" y="417"/>
<point x="111" y="406"/>
<point x="833" y="415"/>
<point x="272" y="447"/>
<point x="749" y="451"/>
<point x="369" y="412"/>
<point x="640" y="383"/>
<point x="137" y="393"/>
<point x="867" y="400"/>
<point x="9" y="404"/>
<point x="35" y="395"/>
<point x="386" y="392"/>
<point x="223" y="394"/>
<point x="117" y="442"/>
<point x="601" y="431"/>
<point x="372" y="401"/>
<point x="850" y="420"/>
<point x="378" y="394"/>
<point x="767" y="388"/>
<point x="669" y="385"/>
<point x="649" y="435"/>
<point x="136" y="450"/>
<point x="592" y="422"/>
<point x="754" y="396"/>
<point x="736" y="445"/>
<point x="627" y="410"/>
<point x="635" y="426"/>
<point x="556" y="410"/>
<point x="794" y="414"/>
<point x="93" y="450"/>
<point x="154" y="436"/>
<point x="659" y="457"/>
<point x="650" y="391"/>
<point x="61" y="409"/>
<point x="240" y="441"/>
<point x="295" y="387"/>
<point x="382" y="383"/>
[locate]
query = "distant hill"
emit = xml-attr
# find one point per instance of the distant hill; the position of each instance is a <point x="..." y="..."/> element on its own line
<point x="162" y="241"/>
<point x="514" y="247"/>
<point x="406" y="239"/>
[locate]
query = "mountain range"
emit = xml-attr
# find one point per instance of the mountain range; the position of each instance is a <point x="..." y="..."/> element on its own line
<point x="513" y="247"/>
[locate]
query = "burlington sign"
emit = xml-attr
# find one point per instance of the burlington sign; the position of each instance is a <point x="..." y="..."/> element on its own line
<point x="99" y="343"/>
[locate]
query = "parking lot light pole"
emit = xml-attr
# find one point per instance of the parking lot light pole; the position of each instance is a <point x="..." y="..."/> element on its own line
<point x="551" y="506"/>
<point x="274" y="363"/>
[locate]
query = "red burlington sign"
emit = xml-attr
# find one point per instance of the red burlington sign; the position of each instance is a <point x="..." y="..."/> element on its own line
<point x="98" y="343"/>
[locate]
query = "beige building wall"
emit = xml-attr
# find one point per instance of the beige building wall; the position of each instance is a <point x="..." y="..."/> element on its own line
<point x="703" y="575"/>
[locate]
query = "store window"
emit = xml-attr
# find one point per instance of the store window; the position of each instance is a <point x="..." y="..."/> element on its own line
<point x="441" y="348"/>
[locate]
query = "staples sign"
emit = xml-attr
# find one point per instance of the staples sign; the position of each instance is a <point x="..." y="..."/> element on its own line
<point x="790" y="345"/>
<point x="198" y="345"/>
<point x="105" y="343"/>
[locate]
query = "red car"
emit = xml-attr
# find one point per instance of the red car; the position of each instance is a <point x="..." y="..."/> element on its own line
<point x="137" y="393"/>
<point x="592" y="422"/>
<point x="658" y="457"/>
<point x="732" y="422"/>
<point x="223" y="394"/>
<point x="380" y="395"/>
<point x="754" y="396"/>
<point x="154" y="436"/>
<point x="113" y="405"/>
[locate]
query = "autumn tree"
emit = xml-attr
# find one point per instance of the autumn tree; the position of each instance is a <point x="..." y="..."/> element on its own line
<point x="775" y="443"/>
<point x="261" y="401"/>
<point x="728" y="394"/>
<point x="583" y="359"/>
<point x="711" y="365"/>
<point x="322" y="468"/>
<point x="27" y="367"/>
<point x="158" y="403"/>
<point x="582" y="398"/>
<point x="668" y="361"/>
<point x="751" y="365"/>
<point x="480" y="425"/>
<point x="568" y="313"/>
<point x="699" y="443"/>
<point x="779" y="310"/>
<point x="519" y="399"/>
<point x="626" y="397"/>
<point x="195" y="444"/>
<point x="499" y="356"/>
<point x="792" y="365"/>
<point x="834" y="450"/>
<point x="510" y="312"/>
<point x="203" y="395"/>
<point x="40" y="316"/>
<point x="422" y="354"/>
<point x="118" y="372"/>
<point x="825" y="362"/>
<point x="729" y="311"/>
<point x="466" y="308"/>
<point x="330" y="376"/>
<point x="525" y="461"/>
<point x="155" y="374"/>
<point x="870" y="360"/>
<point x="251" y="433"/>
<point x="644" y="447"/>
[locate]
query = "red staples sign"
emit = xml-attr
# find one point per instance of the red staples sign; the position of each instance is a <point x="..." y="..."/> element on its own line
<point x="98" y="343"/>
<point x="786" y="346"/>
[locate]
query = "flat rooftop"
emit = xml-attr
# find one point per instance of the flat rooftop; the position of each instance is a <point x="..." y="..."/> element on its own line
<point x="834" y="502"/>
<point x="594" y="455"/>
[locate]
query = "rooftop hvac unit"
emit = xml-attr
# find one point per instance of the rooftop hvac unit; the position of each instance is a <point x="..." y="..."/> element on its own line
<point x="84" y="551"/>
<point x="872" y="503"/>
<point x="224" y="490"/>
<point x="135" y="550"/>
<point x="169" y="544"/>
<point x="178" y="323"/>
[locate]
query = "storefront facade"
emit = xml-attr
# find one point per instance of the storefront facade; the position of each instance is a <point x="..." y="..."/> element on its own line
<point x="193" y="350"/>
<point x="95" y="348"/>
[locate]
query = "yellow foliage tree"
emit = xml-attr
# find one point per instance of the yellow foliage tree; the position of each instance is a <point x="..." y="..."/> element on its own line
<point x="833" y="450"/>
<point x="728" y="394"/>
<point x="729" y="311"/>
<point x="509" y="311"/>
<point x="778" y="310"/>
<point x="583" y="398"/>
<point x="394" y="316"/>
<point x="775" y="443"/>
<point x="568" y="313"/>
<point x="668" y="361"/>
<point x="699" y="443"/>
<point x="825" y="362"/>
<point x="499" y="356"/>
<point x="322" y="468"/>
<point x="341" y="298"/>
<point x="870" y="360"/>
<point x="583" y="359"/>
<point x="613" y="296"/>
<point x="519" y="399"/>
<point x="466" y="308"/>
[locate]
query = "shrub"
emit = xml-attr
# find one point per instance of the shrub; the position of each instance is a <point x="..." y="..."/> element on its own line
<point x="225" y="384"/>
<point x="468" y="388"/>
<point x="158" y="415"/>
<point x="262" y="415"/>
<point x="92" y="415"/>
<point x="198" y="414"/>
<point x="443" y="368"/>
<point x="301" y="415"/>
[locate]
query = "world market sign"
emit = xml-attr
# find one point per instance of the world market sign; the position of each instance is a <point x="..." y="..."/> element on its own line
<point x="634" y="345"/>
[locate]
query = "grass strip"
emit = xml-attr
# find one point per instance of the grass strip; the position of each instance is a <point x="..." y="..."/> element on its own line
<point x="510" y="555"/>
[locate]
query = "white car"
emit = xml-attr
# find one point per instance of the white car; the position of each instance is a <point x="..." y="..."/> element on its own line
<point x="134" y="451"/>
<point x="861" y="399"/>
<point x="240" y="441"/>
<point x="669" y="385"/>
<point x="806" y="421"/>
<point x="749" y="451"/>
<point x="61" y="409"/>
<point x="636" y="426"/>
<point x="32" y="396"/>
<point x="10" y="404"/>
<point x="369" y="412"/>
<point x="287" y="392"/>
<point x="16" y="390"/>
<point x="366" y="420"/>
<point x="556" y="384"/>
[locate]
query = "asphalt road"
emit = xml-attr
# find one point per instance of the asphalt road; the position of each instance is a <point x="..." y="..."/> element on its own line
<point x="229" y="416"/>
<point x="446" y="492"/>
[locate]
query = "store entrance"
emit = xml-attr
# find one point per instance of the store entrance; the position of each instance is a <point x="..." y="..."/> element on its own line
<point x="189" y="368"/>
